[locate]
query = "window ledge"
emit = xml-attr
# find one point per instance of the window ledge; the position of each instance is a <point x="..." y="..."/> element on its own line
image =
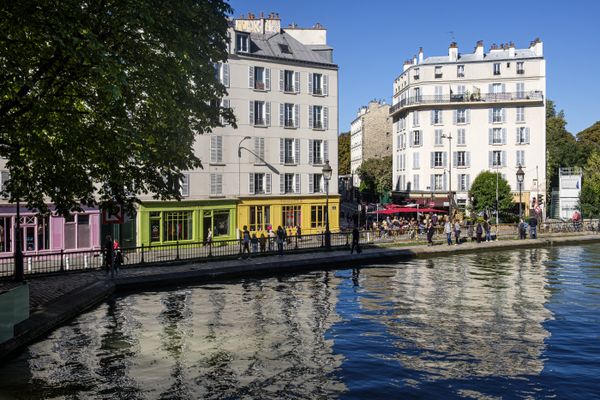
<point x="290" y="164"/>
<point x="260" y="90"/>
<point x="290" y="92"/>
<point x="216" y="196"/>
<point x="319" y="95"/>
<point x="290" y="127"/>
<point x="319" y="129"/>
<point x="260" y="126"/>
<point x="217" y="164"/>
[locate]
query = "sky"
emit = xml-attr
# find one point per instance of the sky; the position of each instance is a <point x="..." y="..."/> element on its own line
<point x="371" y="40"/>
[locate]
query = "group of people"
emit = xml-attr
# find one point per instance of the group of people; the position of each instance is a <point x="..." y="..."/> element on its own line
<point x="251" y="243"/>
<point x="113" y="256"/>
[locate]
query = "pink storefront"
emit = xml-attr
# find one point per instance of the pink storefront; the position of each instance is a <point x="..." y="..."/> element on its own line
<point x="80" y="231"/>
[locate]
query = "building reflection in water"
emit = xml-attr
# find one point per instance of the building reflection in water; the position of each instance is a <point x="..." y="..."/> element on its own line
<point x="464" y="316"/>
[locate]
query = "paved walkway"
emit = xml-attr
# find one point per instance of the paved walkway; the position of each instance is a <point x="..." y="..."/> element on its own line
<point x="56" y="299"/>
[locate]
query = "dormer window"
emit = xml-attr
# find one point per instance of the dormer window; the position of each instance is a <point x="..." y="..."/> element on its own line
<point x="242" y="43"/>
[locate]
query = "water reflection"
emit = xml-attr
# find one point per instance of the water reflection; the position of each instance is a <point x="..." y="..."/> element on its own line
<point x="477" y="326"/>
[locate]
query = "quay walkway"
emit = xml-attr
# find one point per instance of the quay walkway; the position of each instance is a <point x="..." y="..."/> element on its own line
<point x="56" y="299"/>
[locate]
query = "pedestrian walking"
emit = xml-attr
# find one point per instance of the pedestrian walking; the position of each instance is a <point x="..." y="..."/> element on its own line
<point x="533" y="222"/>
<point x="280" y="239"/>
<point x="118" y="256"/>
<point x="448" y="232"/>
<point x="479" y="232"/>
<point x="109" y="255"/>
<point x="355" y="241"/>
<point x="254" y="243"/>
<point x="456" y="233"/>
<point x="430" y="232"/>
<point x="208" y="239"/>
<point x="272" y="236"/>
<point x="245" y="242"/>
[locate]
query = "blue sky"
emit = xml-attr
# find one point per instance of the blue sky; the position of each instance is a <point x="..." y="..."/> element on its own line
<point x="371" y="40"/>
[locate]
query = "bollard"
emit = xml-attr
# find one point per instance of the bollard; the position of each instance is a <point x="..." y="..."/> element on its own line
<point x="67" y="262"/>
<point x="29" y="264"/>
<point x="85" y="261"/>
<point x="62" y="266"/>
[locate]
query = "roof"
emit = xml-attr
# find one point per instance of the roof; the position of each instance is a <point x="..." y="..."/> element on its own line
<point x="492" y="55"/>
<point x="273" y="45"/>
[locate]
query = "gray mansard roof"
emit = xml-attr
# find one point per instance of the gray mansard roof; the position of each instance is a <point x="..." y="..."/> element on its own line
<point x="270" y="46"/>
<point x="492" y="55"/>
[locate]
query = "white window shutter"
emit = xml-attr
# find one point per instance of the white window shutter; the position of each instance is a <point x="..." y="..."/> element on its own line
<point x="325" y="150"/>
<point x="503" y="135"/>
<point x="257" y="149"/>
<point x="297" y="82"/>
<point x="297" y="183"/>
<point x="432" y="116"/>
<point x="455" y="159"/>
<point x="455" y="117"/>
<point x="219" y="149"/>
<point x="491" y="115"/>
<point x="432" y="159"/>
<point x="527" y="135"/>
<point x="504" y="158"/>
<point x="491" y="159"/>
<point x="251" y="112"/>
<point x="468" y="116"/>
<point x="297" y="115"/>
<point x="326" y="85"/>
<point x="268" y="183"/>
<point x="445" y="182"/>
<point x="281" y="150"/>
<point x="441" y="117"/>
<point x="310" y="84"/>
<point x="503" y="88"/>
<point x="468" y="158"/>
<point x="268" y="113"/>
<point x="282" y="183"/>
<point x="213" y="184"/>
<point x="310" y="117"/>
<point x="297" y="151"/>
<point x="445" y="159"/>
<point x="326" y="118"/>
<point x="251" y="183"/>
<point x="517" y="138"/>
<point x="268" y="78"/>
<point x="281" y="80"/>
<point x="491" y="135"/>
<point x="185" y="185"/>
<point x="311" y="183"/>
<point x="504" y="115"/>
<point x="226" y="75"/>
<point x="251" y="77"/>
<point x="213" y="149"/>
<point x="281" y="113"/>
<point x="432" y="182"/>
<point x="311" y="155"/>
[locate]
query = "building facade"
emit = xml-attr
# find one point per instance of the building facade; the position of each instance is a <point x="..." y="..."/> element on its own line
<point x="283" y="88"/>
<point x="370" y="135"/>
<point x="457" y="115"/>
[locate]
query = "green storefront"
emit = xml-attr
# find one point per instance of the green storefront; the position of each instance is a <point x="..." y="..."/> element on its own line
<point x="185" y="221"/>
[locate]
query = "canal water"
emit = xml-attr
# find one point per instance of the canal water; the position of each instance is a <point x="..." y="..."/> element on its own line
<point x="512" y="324"/>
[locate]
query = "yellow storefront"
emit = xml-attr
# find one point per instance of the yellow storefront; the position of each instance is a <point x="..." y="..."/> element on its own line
<point x="257" y="213"/>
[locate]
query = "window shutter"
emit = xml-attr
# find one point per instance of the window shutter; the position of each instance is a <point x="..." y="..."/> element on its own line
<point x="326" y="85"/>
<point x="282" y="183"/>
<point x="523" y="158"/>
<point x="504" y="115"/>
<point x="517" y="137"/>
<point x="432" y="182"/>
<point x="268" y="183"/>
<point x="213" y="149"/>
<point x="445" y="159"/>
<point x="256" y="149"/>
<point x="213" y="184"/>
<point x="491" y="135"/>
<point x="281" y="150"/>
<point x="224" y="104"/>
<point x="503" y="88"/>
<point x="251" y="77"/>
<point x="503" y="135"/>
<point x="468" y="112"/>
<point x="468" y="158"/>
<point x="445" y="182"/>
<point x="491" y="158"/>
<point x="527" y="135"/>
<point x="504" y="158"/>
<point x="310" y="84"/>
<point x="185" y="185"/>
<point x="468" y="179"/>
<point x="251" y="183"/>
<point x="219" y="149"/>
<point x="325" y="150"/>
<point x="262" y="149"/>
<point x="311" y="155"/>
<point x="325" y="117"/>
<point x="251" y="112"/>
<point x="455" y="117"/>
<point x="268" y="113"/>
<point x="297" y="183"/>
<point x="432" y="116"/>
<point x="490" y="88"/>
<point x="281" y="79"/>
<point x="297" y="115"/>
<point x="311" y="183"/>
<point x="441" y="117"/>
<point x="491" y="115"/>
<point x="297" y="82"/>
<point x="226" y="75"/>
<point x="455" y="159"/>
<point x="268" y="78"/>
<point x="281" y="114"/>
<point x="310" y="116"/>
<point x="297" y="151"/>
<point x="432" y="159"/>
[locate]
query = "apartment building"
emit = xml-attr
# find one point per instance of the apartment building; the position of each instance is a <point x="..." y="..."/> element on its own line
<point x="370" y="135"/>
<point x="283" y="88"/>
<point x="457" y="115"/>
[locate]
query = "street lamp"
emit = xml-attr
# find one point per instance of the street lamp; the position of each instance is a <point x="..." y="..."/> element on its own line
<point x="239" y="162"/>
<point x="327" y="171"/>
<point x="520" y="178"/>
<point x="449" y="137"/>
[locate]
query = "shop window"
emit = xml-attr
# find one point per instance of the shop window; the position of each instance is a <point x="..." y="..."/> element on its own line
<point x="155" y="235"/>
<point x="5" y="234"/>
<point x="83" y="231"/>
<point x="221" y="223"/>
<point x="177" y="225"/>
<point x="317" y="216"/>
<point x="70" y="232"/>
<point x="259" y="218"/>
<point x="43" y="233"/>
<point x="291" y="216"/>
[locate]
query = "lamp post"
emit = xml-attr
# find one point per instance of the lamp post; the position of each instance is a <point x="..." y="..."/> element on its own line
<point x="497" y="214"/>
<point x="327" y="171"/>
<point x="449" y="137"/>
<point x="520" y="178"/>
<point x="239" y="163"/>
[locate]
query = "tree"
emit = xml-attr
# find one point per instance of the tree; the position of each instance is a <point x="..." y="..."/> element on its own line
<point x="102" y="101"/>
<point x="344" y="153"/>
<point x="483" y="193"/>
<point x="376" y="177"/>
<point x="589" y="140"/>
<point x="590" y="191"/>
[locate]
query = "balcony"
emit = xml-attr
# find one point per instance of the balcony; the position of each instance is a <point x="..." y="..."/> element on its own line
<point x="475" y="98"/>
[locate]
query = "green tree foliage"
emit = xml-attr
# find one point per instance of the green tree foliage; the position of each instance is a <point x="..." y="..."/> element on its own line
<point x="589" y="140"/>
<point x="344" y="153"/>
<point x="103" y="100"/>
<point x="483" y="193"/>
<point x="562" y="149"/>
<point x="376" y="177"/>
<point x="590" y="190"/>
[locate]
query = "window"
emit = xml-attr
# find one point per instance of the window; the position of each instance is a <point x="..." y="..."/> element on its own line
<point x="259" y="150"/>
<point x="184" y="185"/>
<point x="438" y="137"/>
<point x="496" y="136"/>
<point x="216" y="149"/>
<point x="289" y="120"/>
<point x="259" y="218"/>
<point x="496" y="68"/>
<point x="4" y="178"/>
<point x="438" y="72"/>
<point x="416" y="138"/>
<point x="460" y="71"/>
<point x="461" y="116"/>
<point x="155" y="231"/>
<point x="318" y="116"/>
<point x="317" y="84"/>
<point x="463" y="182"/>
<point x="520" y="158"/>
<point x="260" y="78"/>
<point x="438" y="93"/>
<point x="416" y="161"/>
<point x="416" y="74"/>
<point x="461" y="159"/>
<point x="460" y="91"/>
<point x="317" y="152"/>
<point x="177" y="225"/>
<point x="496" y="158"/>
<point x="290" y="81"/>
<point x="316" y="183"/>
<point x="438" y="182"/>
<point x="461" y="137"/>
<point x="289" y="151"/>
<point x="222" y="73"/>
<point x="438" y="159"/>
<point x="288" y="183"/>
<point x="216" y="184"/>
<point x="520" y="90"/>
<point x="497" y="88"/>
<point x="259" y="183"/>
<point x="520" y="114"/>
<point x="436" y="117"/>
<point x="415" y="185"/>
<point x="417" y="94"/>
<point x="5" y="234"/>
<point x="497" y="115"/>
<point x="522" y="135"/>
<point x="242" y="43"/>
<point x="218" y="221"/>
<point x="291" y="216"/>
<point x="285" y="48"/>
<point x="415" y="115"/>
<point x="520" y="67"/>
<point x="260" y="113"/>
<point x="317" y="216"/>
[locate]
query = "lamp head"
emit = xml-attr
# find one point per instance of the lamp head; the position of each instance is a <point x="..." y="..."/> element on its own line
<point x="327" y="171"/>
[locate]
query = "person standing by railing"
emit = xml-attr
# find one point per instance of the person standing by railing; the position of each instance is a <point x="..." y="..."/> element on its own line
<point x="109" y="255"/>
<point x="245" y="242"/>
<point x="280" y="239"/>
<point x="355" y="241"/>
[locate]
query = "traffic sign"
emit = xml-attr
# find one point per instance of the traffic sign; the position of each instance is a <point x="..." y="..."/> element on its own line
<point x="114" y="216"/>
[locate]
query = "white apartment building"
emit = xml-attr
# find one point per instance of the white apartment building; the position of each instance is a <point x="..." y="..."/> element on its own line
<point x="460" y="114"/>
<point x="282" y="85"/>
<point x="356" y="148"/>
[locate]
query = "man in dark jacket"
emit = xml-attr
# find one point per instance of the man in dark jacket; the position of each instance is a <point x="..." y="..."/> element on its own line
<point x="109" y="255"/>
<point x="533" y="222"/>
<point x="355" y="241"/>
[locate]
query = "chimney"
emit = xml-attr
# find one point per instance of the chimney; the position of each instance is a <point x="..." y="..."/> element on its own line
<point x="453" y="52"/>
<point x="511" y="50"/>
<point x="479" y="50"/>
<point x="537" y="47"/>
<point x="420" y="55"/>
